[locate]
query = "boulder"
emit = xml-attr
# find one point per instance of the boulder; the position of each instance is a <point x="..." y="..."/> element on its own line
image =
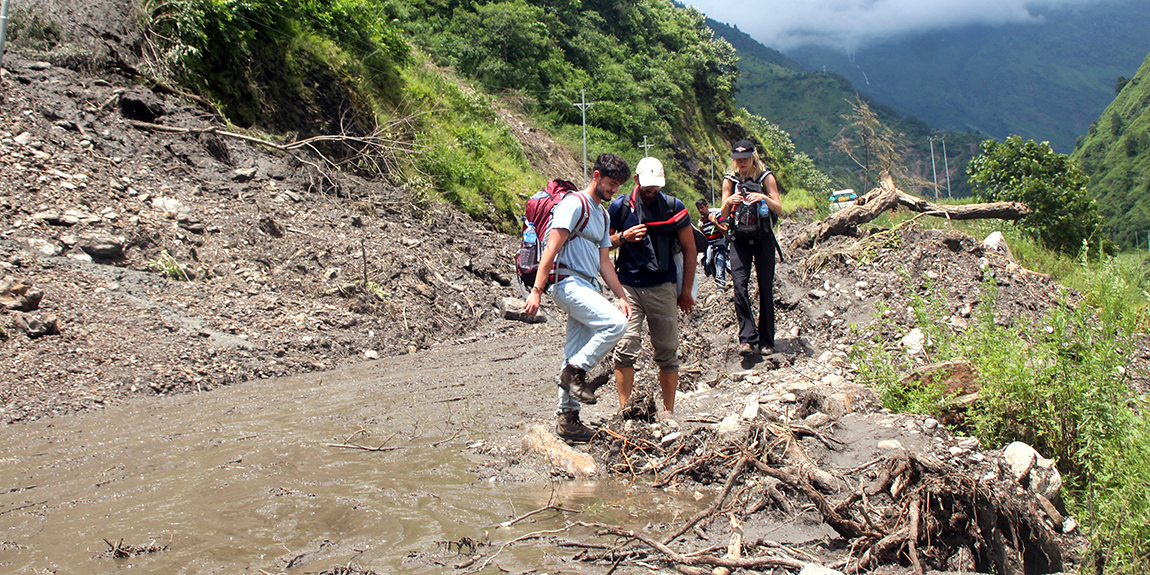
<point x="41" y="247"/>
<point x="1036" y="473"/>
<point x="141" y="104"/>
<point x="512" y="309"/>
<point x="101" y="245"/>
<point x="15" y="295"/>
<point x="35" y="326"/>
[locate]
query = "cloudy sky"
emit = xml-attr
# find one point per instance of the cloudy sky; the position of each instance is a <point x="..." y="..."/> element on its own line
<point x="785" y="24"/>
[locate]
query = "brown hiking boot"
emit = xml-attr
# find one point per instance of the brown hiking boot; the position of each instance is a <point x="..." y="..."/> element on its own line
<point x="599" y="381"/>
<point x="571" y="429"/>
<point x="574" y="381"/>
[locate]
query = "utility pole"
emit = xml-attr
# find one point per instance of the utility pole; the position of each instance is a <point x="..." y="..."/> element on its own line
<point x="646" y="147"/>
<point x="3" y="27"/>
<point x="582" y="106"/>
<point x="932" y="166"/>
<point x="946" y="167"/>
<point x="712" y="158"/>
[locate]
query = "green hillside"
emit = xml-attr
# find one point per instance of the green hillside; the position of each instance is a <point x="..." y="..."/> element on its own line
<point x="1045" y="81"/>
<point x="810" y="107"/>
<point x="1115" y="153"/>
<point x="434" y="72"/>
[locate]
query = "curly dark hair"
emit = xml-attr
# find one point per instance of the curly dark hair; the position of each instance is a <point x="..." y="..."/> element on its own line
<point x="613" y="167"/>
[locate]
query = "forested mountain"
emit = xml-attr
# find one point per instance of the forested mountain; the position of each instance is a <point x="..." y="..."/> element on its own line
<point x="810" y="106"/>
<point x="1115" y="153"/>
<point x="651" y="71"/>
<point x="1045" y="81"/>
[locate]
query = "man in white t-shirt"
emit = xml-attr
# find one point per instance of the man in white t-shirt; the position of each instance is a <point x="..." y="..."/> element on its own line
<point x="576" y="247"/>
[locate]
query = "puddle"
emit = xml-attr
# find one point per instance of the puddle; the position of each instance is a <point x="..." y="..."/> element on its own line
<point x="243" y="479"/>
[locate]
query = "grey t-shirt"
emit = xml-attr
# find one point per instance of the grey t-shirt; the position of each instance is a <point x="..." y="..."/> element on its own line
<point x="580" y="254"/>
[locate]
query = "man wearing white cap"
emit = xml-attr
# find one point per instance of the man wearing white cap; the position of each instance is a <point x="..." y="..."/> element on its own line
<point x="645" y="226"/>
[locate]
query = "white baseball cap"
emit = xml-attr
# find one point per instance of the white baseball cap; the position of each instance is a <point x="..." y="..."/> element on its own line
<point x="650" y="172"/>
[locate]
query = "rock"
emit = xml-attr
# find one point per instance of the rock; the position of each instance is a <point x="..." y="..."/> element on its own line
<point x="1033" y="471"/>
<point x="35" y="326"/>
<point x="969" y="443"/>
<point x="18" y="296"/>
<point x="271" y="227"/>
<point x="101" y="245"/>
<point x="512" y="309"/>
<point x="41" y="247"/>
<point x="670" y="438"/>
<point x="141" y="104"/>
<point x="813" y="569"/>
<point x="574" y="463"/>
<point x="817" y="419"/>
<point x="171" y="207"/>
<point x="890" y="445"/>
<point x="996" y="242"/>
<point x="39" y="66"/>
<point x="913" y="341"/>
<point x="751" y="409"/>
<point x="23" y="139"/>
<point x="370" y="354"/>
<point x="243" y="175"/>
<point x="731" y="428"/>
<point x="929" y="423"/>
<point x="1020" y="457"/>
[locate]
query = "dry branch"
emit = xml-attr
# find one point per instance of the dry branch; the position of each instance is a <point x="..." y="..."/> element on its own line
<point x="672" y="556"/>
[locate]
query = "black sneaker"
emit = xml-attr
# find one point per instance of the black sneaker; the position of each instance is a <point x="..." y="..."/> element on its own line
<point x="574" y="381"/>
<point x="571" y="429"/>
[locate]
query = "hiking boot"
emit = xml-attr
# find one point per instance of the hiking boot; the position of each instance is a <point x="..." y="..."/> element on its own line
<point x="574" y="381"/>
<point x="598" y="381"/>
<point x="571" y="429"/>
<point x="746" y="349"/>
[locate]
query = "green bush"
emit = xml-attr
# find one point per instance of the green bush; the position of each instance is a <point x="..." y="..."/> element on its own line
<point x="1065" y="217"/>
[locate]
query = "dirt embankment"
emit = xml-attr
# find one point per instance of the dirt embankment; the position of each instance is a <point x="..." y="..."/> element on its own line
<point x="180" y="262"/>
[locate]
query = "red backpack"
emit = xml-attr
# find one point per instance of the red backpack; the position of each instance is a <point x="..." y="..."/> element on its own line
<point x="538" y="212"/>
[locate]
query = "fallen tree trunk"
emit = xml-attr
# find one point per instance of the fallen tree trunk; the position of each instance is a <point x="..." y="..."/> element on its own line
<point x="847" y="220"/>
<point x="996" y="210"/>
<point x="886" y="196"/>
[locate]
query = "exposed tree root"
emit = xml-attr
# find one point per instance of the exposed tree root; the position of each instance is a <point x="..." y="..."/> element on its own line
<point x="903" y="509"/>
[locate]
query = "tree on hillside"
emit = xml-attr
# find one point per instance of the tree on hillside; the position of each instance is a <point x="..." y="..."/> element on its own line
<point x="1065" y="217"/>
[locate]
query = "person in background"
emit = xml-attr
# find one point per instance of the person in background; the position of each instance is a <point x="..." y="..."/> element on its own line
<point x="746" y="168"/>
<point x="645" y="226"/>
<point x="715" y="229"/>
<point x="575" y="260"/>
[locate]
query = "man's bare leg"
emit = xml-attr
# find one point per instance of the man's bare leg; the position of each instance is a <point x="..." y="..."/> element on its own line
<point x="624" y="382"/>
<point x="669" y="382"/>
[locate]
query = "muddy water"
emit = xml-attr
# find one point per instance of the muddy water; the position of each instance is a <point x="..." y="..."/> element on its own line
<point x="243" y="479"/>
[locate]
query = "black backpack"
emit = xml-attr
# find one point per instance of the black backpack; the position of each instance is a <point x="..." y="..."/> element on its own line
<point x="745" y="222"/>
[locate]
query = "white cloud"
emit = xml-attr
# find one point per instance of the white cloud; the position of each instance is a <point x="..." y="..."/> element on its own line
<point x="785" y="24"/>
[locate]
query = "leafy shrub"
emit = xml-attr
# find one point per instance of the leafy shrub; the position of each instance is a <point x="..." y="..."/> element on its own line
<point x="1065" y="216"/>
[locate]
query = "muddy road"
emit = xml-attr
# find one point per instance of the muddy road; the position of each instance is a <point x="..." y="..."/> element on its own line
<point x="245" y="478"/>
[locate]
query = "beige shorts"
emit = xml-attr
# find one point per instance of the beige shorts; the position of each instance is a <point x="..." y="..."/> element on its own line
<point x="657" y="306"/>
